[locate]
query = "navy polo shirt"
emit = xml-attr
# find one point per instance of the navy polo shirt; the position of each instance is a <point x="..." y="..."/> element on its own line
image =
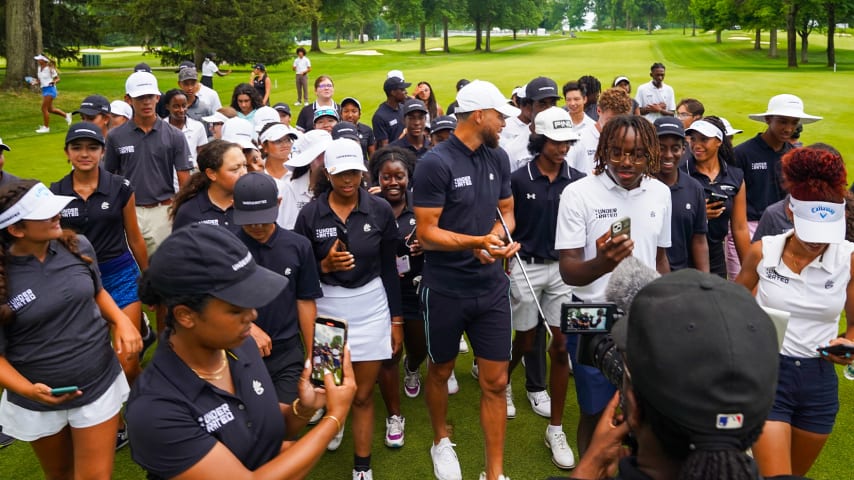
<point x="6" y="177"/>
<point x="305" y="119"/>
<point x="200" y="209"/>
<point x="288" y="254"/>
<point x="467" y="186"/>
<point x="408" y="291"/>
<point x="536" y="201"/>
<point x="100" y="216"/>
<point x="366" y="139"/>
<point x="419" y="152"/>
<point x="175" y="418"/>
<point x="774" y="220"/>
<point x="727" y="183"/>
<point x="148" y="160"/>
<point x="58" y="336"/>
<point x="688" y="218"/>
<point x="371" y="237"/>
<point x="387" y="122"/>
<point x="762" y="174"/>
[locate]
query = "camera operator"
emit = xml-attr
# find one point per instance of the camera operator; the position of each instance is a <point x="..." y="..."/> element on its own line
<point x="700" y="369"/>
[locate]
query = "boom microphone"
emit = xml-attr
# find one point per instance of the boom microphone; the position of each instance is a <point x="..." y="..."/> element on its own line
<point x="630" y="276"/>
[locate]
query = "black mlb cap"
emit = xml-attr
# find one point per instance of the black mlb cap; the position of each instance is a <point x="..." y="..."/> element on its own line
<point x="345" y="130"/>
<point x="256" y="199"/>
<point x="669" y="126"/>
<point x="94" y="105"/>
<point x="445" y="122"/>
<point x="142" y="67"/>
<point x="414" y="105"/>
<point x="228" y="271"/>
<point x="394" y="83"/>
<point x="540" y="88"/>
<point x="84" y="130"/>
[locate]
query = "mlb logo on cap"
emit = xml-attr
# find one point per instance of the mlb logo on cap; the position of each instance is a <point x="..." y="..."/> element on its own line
<point x="730" y="421"/>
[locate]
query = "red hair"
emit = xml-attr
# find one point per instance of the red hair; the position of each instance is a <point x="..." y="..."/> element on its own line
<point x="814" y="174"/>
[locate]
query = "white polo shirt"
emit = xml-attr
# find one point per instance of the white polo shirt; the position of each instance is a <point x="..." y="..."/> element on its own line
<point x="517" y="151"/>
<point x="585" y="123"/>
<point x="295" y="194"/>
<point x="814" y="298"/>
<point x="589" y="206"/>
<point x="582" y="156"/>
<point x="513" y="127"/>
<point x="301" y="65"/>
<point x="209" y="68"/>
<point x="648" y="94"/>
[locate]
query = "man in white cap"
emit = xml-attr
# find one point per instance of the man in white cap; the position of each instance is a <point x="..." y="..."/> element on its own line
<point x="760" y="156"/>
<point x="461" y="186"/>
<point x="146" y="151"/>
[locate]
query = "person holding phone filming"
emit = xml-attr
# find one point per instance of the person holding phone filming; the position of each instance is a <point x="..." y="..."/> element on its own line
<point x="206" y="407"/>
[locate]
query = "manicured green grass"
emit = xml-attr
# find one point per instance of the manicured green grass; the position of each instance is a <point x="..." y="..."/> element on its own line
<point x="730" y="78"/>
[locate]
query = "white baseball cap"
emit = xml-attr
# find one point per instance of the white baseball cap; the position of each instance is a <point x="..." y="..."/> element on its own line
<point x="265" y="115"/>
<point x="818" y="222"/>
<point x="121" y="107"/>
<point x="730" y="131"/>
<point x="239" y="130"/>
<point x="39" y="203"/>
<point x="277" y="131"/>
<point x="3" y="146"/>
<point x="41" y="57"/>
<point x="482" y="95"/>
<point x="141" y="83"/>
<point x="344" y="155"/>
<point x="556" y="124"/>
<point x="706" y="129"/>
<point x="785" y="105"/>
<point x="395" y="73"/>
<point x="217" y="117"/>
<point x="309" y="146"/>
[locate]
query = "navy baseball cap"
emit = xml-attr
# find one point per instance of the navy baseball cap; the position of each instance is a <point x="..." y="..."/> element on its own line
<point x="282" y="107"/>
<point x="669" y="126"/>
<point x="142" y="67"/>
<point x="541" y="88"/>
<point x="259" y="66"/>
<point x="445" y="122"/>
<point x="414" y="105"/>
<point x="394" y="83"/>
<point x="353" y="101"/>
<point x="256" y="199"/>
<point x="228" y="271"/>
<point x="94" y="105"/>
<point x="84" y="130"/>
<point x="345" y="130"/>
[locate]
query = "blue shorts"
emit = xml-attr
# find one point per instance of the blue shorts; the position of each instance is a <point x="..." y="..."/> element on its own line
<point x="593" y="390"/>
<point x="119" y="277"/>
<point x="807" y="394"/>
<point x="486" y="319"/>
<point x="49" y="91"/>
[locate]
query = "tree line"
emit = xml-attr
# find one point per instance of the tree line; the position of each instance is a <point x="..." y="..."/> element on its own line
<point x="266" y="30"/>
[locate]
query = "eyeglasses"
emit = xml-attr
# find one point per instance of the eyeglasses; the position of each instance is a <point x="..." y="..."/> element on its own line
<point x="325" y="85"/>
<point x="616" y="156"/>
<point x="685" y="115"/>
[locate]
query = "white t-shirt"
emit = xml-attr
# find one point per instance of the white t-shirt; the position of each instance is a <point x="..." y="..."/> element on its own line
<point x="814" y="298"/>
<point x="295" y="195"/>
<point x="648" y="95"/>
<point x="209" y="68"/>
<point x="194" y="132"/>
<point x="582" y="155"/>
<point x="46" y="76"/>
<point x="302" y="64"/>
<point x="517" y="151"/>
<point x="589" y="206"/>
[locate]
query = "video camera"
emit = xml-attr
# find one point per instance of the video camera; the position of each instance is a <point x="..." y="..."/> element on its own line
<point x="596" y="348"/>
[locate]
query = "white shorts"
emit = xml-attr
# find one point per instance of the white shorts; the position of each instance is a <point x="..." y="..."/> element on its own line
<point x="368" y="319"/>
<point x="550" y="289"/>
<point x="29" y="425"/>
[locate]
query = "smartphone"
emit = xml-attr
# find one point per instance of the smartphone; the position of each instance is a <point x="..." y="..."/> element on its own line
<point x="330" y="335"/>
<point x="342" y="237"/>
<point x="622" y="226"/>
<point x="717" y="197"/>
<point x="63" y="390"/>
<point x="587" y="317"/>
<point x="839" y="350"/>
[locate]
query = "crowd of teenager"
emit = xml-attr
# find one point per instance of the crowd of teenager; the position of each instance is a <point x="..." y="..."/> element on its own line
<point x="430" y="231"/>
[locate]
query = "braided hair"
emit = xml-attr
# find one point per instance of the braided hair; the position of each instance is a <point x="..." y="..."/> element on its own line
<point x="615" y="131"/>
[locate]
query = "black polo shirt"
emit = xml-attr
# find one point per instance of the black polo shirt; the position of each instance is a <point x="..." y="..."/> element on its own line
<point x="727" y="183"/>
<point x="688" y="218"/>
<point x="6" y="177"/>
<point x="387" y="122"/>
<point x="288" y="254"/>
<point x="305" y="119"/>
<point x="371" y="237"/>
<point x="99" y="217"/>
<point x="175" y="418"/>
<point x="200" y="209"/>
<point x="148" y="160"/>
<point x="408" y="291"/>
<point x="366" y="139"/>
<point x="536" y="201"/>
<point x="467" y="186"/>
<point x="58" y="336"/>
<point x="774" y="220"/>
<point x="762" y="174"/>
<point x="419" y="152"/>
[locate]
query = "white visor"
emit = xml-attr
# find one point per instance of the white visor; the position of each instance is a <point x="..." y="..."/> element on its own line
<point x="818" y="222"/>
<point x="39" y="203"/>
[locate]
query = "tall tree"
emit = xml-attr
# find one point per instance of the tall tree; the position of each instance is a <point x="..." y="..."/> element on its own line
<point x="717" y="15"/>
<point x="835" y="9"/>
<point x="519" y="15"/>
<point x="792" y="8"/>
<point x="679" y="11"/>
<point x="23" y="40"/>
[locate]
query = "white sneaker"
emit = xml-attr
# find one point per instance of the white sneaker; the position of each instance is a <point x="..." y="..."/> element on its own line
<point x="336" y="440"/>
<point x="43" y="129"/>
<point x="500" y="477"/>
<point x="511" y="408"/>
<point x="318" y="414"/>
<point x="411" y="381"/>
<point x="296" y="104"/>
<point x="541" y="403"/>
<point x="453" y="385"/>
<point x="394" y="431"/>
<point x="474" y="370"/>
<point x="369" y="475"/>
<point x="446" y="466"/>
<point x="464" y="347"/>
<point x="562" y="455"/>
<point x="68" y="119"/>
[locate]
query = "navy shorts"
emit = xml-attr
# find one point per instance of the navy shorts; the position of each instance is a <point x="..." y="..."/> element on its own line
<point x="285" y="364"/>
<point x="807" y="394"/>
<point x="486" y="320"/>
<point x="593" y="390"/>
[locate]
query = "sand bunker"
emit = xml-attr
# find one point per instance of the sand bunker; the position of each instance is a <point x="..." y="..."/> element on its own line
<point x="364" y="52"/>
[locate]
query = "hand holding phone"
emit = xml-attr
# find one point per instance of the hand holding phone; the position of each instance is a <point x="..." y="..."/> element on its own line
<point x="59" y="391"/>
<point x="622" y="226"/>
<point x="330" y="335"/>
<point x="840" y="349"/>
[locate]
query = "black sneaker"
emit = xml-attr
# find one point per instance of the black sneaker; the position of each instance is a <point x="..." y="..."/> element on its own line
<point x="121" y="438"/>
<point x="6" y="440"/>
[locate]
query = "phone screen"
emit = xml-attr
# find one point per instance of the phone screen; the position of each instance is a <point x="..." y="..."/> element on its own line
<point x="587" y="318"/>
<point x="327" y="354"/>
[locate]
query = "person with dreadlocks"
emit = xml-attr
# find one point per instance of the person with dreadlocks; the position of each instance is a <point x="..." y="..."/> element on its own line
<point x="623" y="185"/>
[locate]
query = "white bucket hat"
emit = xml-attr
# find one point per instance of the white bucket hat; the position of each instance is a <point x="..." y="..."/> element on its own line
<point x="785" y="105"/>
